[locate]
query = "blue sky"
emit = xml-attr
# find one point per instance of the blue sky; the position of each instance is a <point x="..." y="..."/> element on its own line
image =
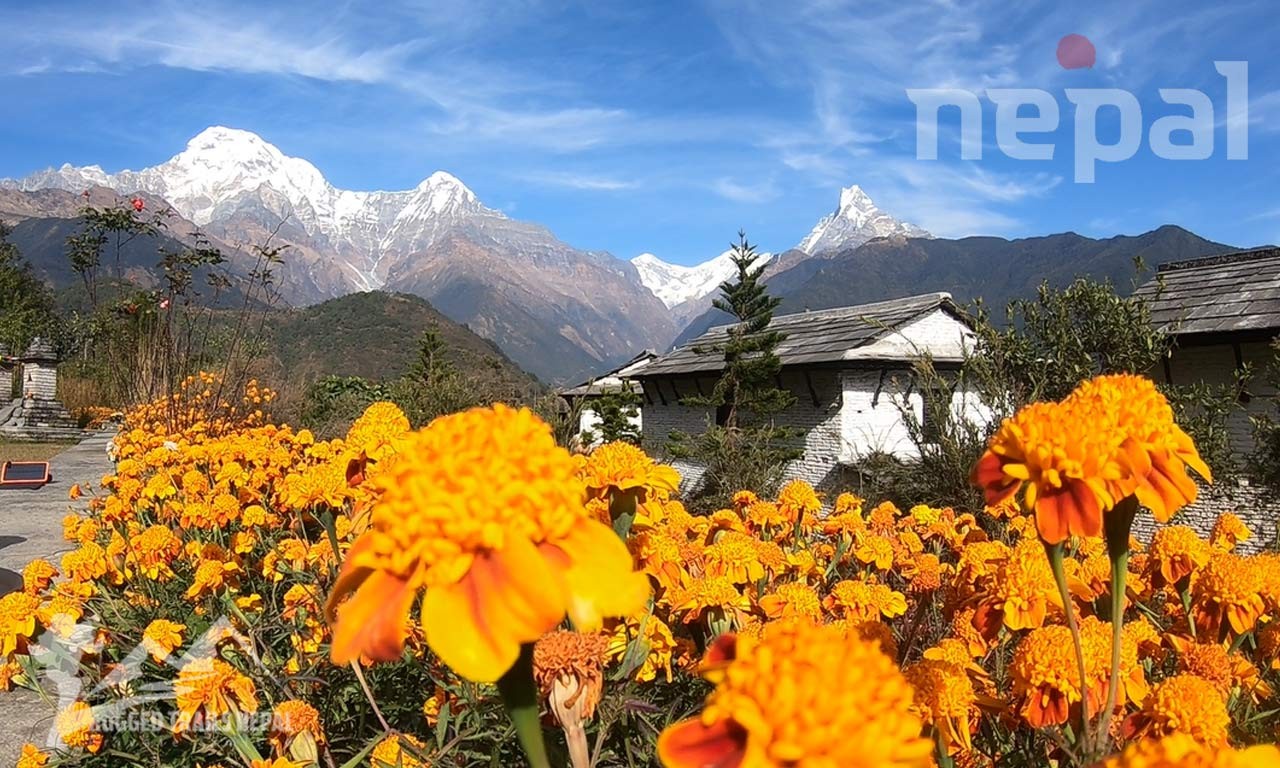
<point x="660" y="127"/>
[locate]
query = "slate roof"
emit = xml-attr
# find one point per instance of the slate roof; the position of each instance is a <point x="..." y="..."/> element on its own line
<point x="822" y="336"/>
<point x="598" y="385"/>
<point x="1231" y="292"/>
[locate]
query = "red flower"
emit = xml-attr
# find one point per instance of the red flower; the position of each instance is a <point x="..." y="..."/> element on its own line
<point x="138" y="204"/>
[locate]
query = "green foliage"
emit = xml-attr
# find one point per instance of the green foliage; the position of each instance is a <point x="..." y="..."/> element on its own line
<point x="26" y="304"/>
<point x="744" y="449"/>
<point x="1062" y="337"/>
<point x="616" y="412"/>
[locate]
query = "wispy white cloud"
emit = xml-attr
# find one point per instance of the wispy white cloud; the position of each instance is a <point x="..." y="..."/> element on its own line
<point x="744" y="192"/>
<point x="586" y="181"/>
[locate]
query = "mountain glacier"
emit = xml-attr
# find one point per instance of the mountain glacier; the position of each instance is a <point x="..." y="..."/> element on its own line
<point x="559" y="312"/>
<point x="855" y="221"/>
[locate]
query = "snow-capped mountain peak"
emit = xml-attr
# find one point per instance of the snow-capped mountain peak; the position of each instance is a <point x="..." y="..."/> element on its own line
<point x="855" y="221"/>
<point x="674" y="284"/>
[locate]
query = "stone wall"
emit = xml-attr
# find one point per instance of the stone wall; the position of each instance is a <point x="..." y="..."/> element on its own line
<point x="1257" y="505"/>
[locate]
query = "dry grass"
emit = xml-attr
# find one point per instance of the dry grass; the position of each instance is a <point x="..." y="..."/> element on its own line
<point x="20" y="451"/>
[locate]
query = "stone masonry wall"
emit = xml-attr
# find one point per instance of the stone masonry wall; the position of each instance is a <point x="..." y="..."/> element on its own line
<point x="1256" y="505"/>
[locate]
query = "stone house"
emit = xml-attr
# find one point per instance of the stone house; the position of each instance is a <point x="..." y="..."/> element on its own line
<point x="850" y="369"/>
<point x="1223" y="312"/>
<point x="585" y="394"/>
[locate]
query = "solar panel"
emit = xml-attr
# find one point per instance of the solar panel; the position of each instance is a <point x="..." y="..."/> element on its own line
<point x="24" y="474"/>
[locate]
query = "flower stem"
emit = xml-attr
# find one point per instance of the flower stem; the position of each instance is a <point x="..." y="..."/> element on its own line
<point x="1055" y="553"/>
<point x="520" y="697"/>
<point x="1116" y="525"/>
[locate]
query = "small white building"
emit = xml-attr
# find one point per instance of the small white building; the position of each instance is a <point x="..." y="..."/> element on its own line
<point x="585" y="394"/>
<point x="850" y="369"/>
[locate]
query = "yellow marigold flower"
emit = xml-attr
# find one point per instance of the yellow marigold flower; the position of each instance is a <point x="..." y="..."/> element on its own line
<point x="37" y="576"/>
<point x="210" y="688"/>
<point x="1186" y="704"/>
<point x="744" y="499"/>
<point x="17" y="622"/>
<point x="792" y="600"/>
<point x="653" y="637"/>
<point x="1226" y="598"/>
<point x="1228" y="531"/>
<point x="484" y="510"/>
<point x="211" y="577"/>
<point x="773" y="705"/>
<point x="399" y="750"/>
<point x="9" y="672"/>
<point x="944" y="697"/>
<point x="569" y="670"/>
<point x="377" y="431"/>
<point x="32" y="757"/>
<point x="848" y="504"/>
<point x="153" y="550"/>
<point x="884" y="517"/>
<point x="766" y="516"/>
<point x="161" y="638"/>
<point x="1176" y="552"/>
<point x="278" y="762"/>
<point x="622" y="467"/>
<point x="1179" y="750"/>
<point x="291" y="719"/>
<point x="74" y="726"/>
<point x="875" y="550"/>
<point x="717" y="595"/>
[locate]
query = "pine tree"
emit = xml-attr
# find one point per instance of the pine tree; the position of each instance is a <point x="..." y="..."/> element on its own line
<point x="616" y="411"/>
<point x="744" y="449"/>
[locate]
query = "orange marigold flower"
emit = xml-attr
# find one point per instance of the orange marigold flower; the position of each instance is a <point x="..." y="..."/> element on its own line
<point x="569" y="670"/>
<point x="1046" y="676"/>
<point x="800" y="504"/>
<point x="773" y="706"/>
<point x="209" y="689"/>
<point x="484" y="510"/>
<point x="74" y="726"/>
<point x="944" y="697"/>
<point x="1179" y="750"/>
<point x="32" y="757"/>
<point x="37" y="576"/>
<point x="622" y="467"/>
<point x="793" y="599"/>
<point x="1176" y="552"/>
<point x="399" y="750"/>
<point x="290" y="719"/>
<point x="17" y="622"/>
<point x="1226" y="598"/>
<point x="736" y="556"/>
<point x="1185" y="704"/>
<point x="1228" y="531"/>
<point x="161" y="638"/>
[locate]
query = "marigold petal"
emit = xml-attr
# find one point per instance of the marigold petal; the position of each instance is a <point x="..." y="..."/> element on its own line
<point x="598" y="570"/>
<point x="690" y="744"/>
<point x="508" y="597"/>
<point x="372" y="622"/>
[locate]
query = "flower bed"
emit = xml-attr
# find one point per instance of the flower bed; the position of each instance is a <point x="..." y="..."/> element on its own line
<point x="471" y="594"/>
